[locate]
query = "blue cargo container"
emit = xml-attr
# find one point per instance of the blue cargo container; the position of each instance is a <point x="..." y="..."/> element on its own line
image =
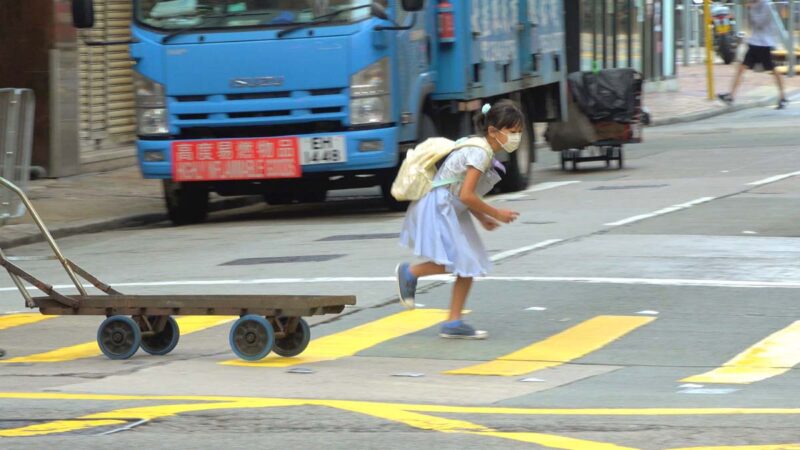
<point x="292" y="98"/>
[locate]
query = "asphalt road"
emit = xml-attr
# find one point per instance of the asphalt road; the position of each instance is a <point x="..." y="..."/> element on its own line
<point x="653" y="307"/>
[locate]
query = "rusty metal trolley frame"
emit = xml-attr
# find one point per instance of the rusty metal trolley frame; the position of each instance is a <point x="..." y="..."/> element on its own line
<point x="267" y="322"/>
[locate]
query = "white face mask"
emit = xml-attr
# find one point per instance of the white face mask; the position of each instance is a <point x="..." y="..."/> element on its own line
<point x="512" y="141"/>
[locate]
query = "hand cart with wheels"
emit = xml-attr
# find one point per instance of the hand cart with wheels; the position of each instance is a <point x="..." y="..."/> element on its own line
<point x="599" y="151"/>
<point x="613" y="126"/>
<point x="267" y="323"/>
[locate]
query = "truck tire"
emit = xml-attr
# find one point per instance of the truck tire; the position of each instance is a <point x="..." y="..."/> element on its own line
<point x="427" y="129"/>
<point x="518" y="168"/>
<point x="186" y="203"/>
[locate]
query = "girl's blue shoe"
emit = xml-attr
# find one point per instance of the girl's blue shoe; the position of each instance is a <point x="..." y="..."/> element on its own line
<point x="460" y="330"/>
<point x="406" y="285"/>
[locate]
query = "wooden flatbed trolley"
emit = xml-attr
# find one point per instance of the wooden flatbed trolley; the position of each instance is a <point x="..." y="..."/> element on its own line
<point x="267" y="322"/>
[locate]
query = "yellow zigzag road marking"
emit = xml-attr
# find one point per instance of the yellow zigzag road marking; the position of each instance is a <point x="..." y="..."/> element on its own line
<point x="774" y="355"/>
<point x="561" y="348"/>
<point x="16" y="320"/>
<point x="354" y="340"/>
<point x="746" y="447"/>
<point x="389" y="412"/>
<point x="412" y="406"/>
<point x="187" y="325"/>
<point x="408" y="414"/>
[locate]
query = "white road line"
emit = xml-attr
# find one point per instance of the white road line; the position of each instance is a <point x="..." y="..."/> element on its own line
<point x="660" y="212"/>
<point x="773" y="179"/>
<point x="509" y="253"/>
<point x="587" y="280"/>
<point x="549" y="185"/>
<point x="535" y="188"/>
<point x="498" y="257"/>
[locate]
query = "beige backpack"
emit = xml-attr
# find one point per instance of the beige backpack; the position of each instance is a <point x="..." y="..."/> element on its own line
<point x="415" y="177"/>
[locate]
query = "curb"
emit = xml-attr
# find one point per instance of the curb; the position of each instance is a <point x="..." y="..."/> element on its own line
<point x="34" y="236"/>
<point x="766" y="101"/>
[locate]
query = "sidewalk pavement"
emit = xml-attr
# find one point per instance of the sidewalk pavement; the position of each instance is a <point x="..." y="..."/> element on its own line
<point x="690" y="102"/>
<point x="121" y="198"/>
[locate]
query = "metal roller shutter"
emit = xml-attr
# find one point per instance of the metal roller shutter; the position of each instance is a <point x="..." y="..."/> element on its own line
<point x="107" y="107"/>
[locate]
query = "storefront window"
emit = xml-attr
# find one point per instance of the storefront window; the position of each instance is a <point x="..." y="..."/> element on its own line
<point x="637" y="44"/>
<point x="628" y="33"/>
<point x="623" y="18"/>
<point x="587" y="33"/>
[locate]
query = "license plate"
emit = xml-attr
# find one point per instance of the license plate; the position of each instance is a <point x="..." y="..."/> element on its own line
<point x="323" y="150"/>
<point x="236" y="159"/>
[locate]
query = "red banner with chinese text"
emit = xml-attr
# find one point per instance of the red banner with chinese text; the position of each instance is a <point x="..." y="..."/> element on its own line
<point x="236" y="159"/>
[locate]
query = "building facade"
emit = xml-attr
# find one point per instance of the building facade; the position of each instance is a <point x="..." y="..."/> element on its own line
<point x="85" y="113"/>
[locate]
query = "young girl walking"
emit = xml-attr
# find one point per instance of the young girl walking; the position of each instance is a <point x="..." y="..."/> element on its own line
<point x="438" y="227"/>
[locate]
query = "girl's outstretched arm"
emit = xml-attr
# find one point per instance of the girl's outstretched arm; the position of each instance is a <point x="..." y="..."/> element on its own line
<point x="474" y="202"/>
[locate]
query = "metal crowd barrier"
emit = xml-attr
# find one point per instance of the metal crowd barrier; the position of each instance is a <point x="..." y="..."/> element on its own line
<point x="16" y="144"/>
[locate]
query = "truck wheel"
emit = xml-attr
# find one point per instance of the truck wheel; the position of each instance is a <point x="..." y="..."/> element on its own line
<point x="186" y="203"/>
<point x="427" y="129"/>
<point x="518" y="168"/>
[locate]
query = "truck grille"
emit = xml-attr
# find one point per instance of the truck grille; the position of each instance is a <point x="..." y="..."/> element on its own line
<point x="259" y="109"/>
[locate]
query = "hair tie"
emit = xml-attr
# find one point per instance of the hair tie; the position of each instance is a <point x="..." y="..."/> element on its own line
<point x="486" y="108"/>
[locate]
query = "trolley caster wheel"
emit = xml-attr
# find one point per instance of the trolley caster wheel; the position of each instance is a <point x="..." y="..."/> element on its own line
<point x="294" y="343"/>
<point x="251" y="337"/>
<point x="164" y="341"/>
<point x="119" y="337"/>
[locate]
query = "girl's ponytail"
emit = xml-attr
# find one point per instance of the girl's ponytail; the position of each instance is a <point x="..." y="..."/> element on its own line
<point x="480" y="120"/>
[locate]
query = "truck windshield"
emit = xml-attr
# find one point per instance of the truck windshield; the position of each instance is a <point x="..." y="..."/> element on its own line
<point x="204" y="14"/>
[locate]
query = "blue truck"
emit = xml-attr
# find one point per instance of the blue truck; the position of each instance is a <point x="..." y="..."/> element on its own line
<point x="292" y="98"/>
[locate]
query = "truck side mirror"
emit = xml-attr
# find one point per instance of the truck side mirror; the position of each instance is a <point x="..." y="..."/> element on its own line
<point x="83" y="13"/>
<point x="413" y="5"/>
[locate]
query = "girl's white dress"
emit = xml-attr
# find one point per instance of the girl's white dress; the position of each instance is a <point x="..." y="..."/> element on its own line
<point x="439" y="227"/>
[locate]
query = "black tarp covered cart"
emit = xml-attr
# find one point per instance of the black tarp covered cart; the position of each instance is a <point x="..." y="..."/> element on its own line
<point x="267" y="323"/>
<point x="605" y="112"/>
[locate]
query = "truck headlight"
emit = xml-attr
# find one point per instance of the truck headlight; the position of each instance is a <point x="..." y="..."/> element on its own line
<point x="370" y="95"/>
<point x="151" y="111"/>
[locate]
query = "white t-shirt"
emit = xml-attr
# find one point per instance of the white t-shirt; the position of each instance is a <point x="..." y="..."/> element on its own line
<point x="763" y="30"/>
<point x="457" y="163"/>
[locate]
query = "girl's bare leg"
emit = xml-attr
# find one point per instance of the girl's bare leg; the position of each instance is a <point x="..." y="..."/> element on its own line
<point x="460" y="291"/>
<point x="427" y="269"/>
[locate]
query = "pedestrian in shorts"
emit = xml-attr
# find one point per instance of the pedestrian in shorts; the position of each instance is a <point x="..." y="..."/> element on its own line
<point x="759" y="50"/>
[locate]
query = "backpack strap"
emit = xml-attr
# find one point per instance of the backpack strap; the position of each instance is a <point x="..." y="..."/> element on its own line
<point x="449" y="181"/>
<point x="479" y="142"/>
<point x="476" y="141"/>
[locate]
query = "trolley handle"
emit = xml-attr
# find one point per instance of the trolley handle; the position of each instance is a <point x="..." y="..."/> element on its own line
<point x="46" y="233"/>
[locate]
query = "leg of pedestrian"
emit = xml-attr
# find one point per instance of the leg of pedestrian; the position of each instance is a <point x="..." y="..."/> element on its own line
<point x="782" y="102"/>
<point x="737" y="80"/>
<point x="455" y="328"/>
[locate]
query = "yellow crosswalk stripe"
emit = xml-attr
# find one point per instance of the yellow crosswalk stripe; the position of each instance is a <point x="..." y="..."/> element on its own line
<point x="561" y="348"/>
<point x="354" y="340"/>
<point x="773" y="356"/>
<point x="187" y="325"/>
<point x="17" y="320"/>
